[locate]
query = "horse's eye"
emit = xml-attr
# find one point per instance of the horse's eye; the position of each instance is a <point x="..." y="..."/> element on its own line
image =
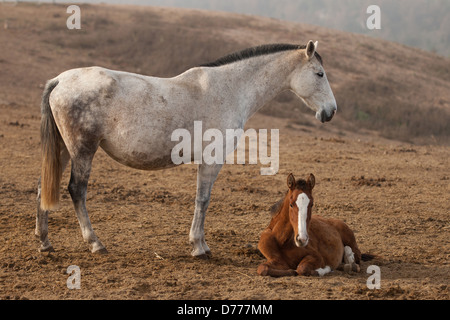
<point x="320" y="74"/>
<point x="291" y="205"/>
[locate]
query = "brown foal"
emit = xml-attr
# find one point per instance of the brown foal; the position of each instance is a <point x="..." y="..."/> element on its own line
<point x="295" y="242"/>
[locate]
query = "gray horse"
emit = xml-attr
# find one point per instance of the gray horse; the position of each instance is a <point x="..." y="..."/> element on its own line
<point x="131" y="117"/>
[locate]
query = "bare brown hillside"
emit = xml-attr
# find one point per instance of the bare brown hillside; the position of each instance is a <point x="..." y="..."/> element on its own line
<point x="402" y="93"/>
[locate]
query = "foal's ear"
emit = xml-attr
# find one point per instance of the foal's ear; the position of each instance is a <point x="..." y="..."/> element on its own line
<point x="291" y="181"/>
<point x="311" y="182"/>
<point x="311" y="49"/>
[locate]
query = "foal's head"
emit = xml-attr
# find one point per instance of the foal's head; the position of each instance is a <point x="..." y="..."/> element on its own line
<point x="310" y="83"/>
<point x="300" y="205"/>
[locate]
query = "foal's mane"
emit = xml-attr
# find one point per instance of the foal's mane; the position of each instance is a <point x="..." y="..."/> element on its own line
<point x="256" y="52"/>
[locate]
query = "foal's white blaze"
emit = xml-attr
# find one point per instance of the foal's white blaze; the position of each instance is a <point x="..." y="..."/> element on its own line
<point x="302" y="205"/>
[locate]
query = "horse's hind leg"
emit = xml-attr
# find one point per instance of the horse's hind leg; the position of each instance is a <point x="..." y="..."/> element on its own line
<point x="41" y="229"/>
<point x="349" y="260"/>
<point x="81" y="168"/>
<point x="348" y="238"/>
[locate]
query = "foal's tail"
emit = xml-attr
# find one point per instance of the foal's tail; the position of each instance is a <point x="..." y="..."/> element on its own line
<point x="51" y="153"/>
<point x="368" y="257"/>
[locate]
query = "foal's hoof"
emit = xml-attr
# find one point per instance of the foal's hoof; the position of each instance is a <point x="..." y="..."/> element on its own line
<point x="263" y="270"/>
<point x="348" y="268"/>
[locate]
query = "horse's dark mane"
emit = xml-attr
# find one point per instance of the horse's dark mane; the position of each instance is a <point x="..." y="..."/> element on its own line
<point x="276" y="208"/>
<point x="255" y="52"/>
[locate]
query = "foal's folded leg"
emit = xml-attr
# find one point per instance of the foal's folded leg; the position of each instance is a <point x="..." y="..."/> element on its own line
<point x="312" y="266"/>
<point x="349" y="259"/>
<point x="276" y="265"/>
<point x="268" y="269"/>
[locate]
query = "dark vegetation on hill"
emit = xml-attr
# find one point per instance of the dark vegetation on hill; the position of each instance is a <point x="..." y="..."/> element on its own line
<point x="398" y="91"/>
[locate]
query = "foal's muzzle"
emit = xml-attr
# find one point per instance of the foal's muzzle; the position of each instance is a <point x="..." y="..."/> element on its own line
<point x="299" y="242"/>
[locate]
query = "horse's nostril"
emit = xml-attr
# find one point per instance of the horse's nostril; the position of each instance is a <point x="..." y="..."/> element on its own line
<point x="323" y="116"/>
<point x="301" y="242"/>
<point x="298" y="242"/>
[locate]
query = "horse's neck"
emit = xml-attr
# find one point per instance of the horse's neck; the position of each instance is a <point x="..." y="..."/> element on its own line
<point x="281" y="225"/>
<point x="257" y="80"/>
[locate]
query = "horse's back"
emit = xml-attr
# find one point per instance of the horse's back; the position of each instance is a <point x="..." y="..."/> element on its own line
<point x="97" y="85"/>
<point x="346" y="234"/>
<point x="125" y="113"/>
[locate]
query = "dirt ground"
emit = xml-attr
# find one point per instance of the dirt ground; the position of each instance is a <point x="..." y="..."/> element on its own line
<point x="393" y="195"/>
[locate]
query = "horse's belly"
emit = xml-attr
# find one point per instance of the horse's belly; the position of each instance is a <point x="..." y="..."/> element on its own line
<point x="328" y="240"/>
<point x="336" y="259"/>
<point x="140" y="159"/>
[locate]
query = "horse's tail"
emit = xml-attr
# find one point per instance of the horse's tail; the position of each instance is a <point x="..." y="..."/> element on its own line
<point x="368" y="257"/>
<point x="51" y="153"/>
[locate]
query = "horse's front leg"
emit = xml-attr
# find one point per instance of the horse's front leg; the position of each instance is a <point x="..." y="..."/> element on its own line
<point x="276" y="265"/>
<point x="206" y="176"/>
<point x="311" y="265"/>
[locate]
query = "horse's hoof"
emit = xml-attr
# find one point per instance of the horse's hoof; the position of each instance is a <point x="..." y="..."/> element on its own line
<point x="46" y="248"/>
<point x="97" y="247"/>
<point x="201" y="254"/>
<point x="204" y="256"/>
<point x="101" y="251"/>
<point x="263" y="270"/>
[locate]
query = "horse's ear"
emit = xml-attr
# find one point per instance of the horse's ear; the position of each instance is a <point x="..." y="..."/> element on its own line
<point x="311" y="181"/>
<point x="310" y="49"/>
<point x="291" y="181"/>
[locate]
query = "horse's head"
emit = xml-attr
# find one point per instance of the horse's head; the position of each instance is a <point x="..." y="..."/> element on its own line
<point x="310" y="83"/>
<point x="300" y="205"/>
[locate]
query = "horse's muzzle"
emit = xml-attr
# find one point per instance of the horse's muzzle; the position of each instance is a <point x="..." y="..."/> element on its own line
<point x="324" y="116"/>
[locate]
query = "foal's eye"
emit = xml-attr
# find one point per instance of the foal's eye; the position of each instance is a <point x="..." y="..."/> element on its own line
<point x="320" y="74"/>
